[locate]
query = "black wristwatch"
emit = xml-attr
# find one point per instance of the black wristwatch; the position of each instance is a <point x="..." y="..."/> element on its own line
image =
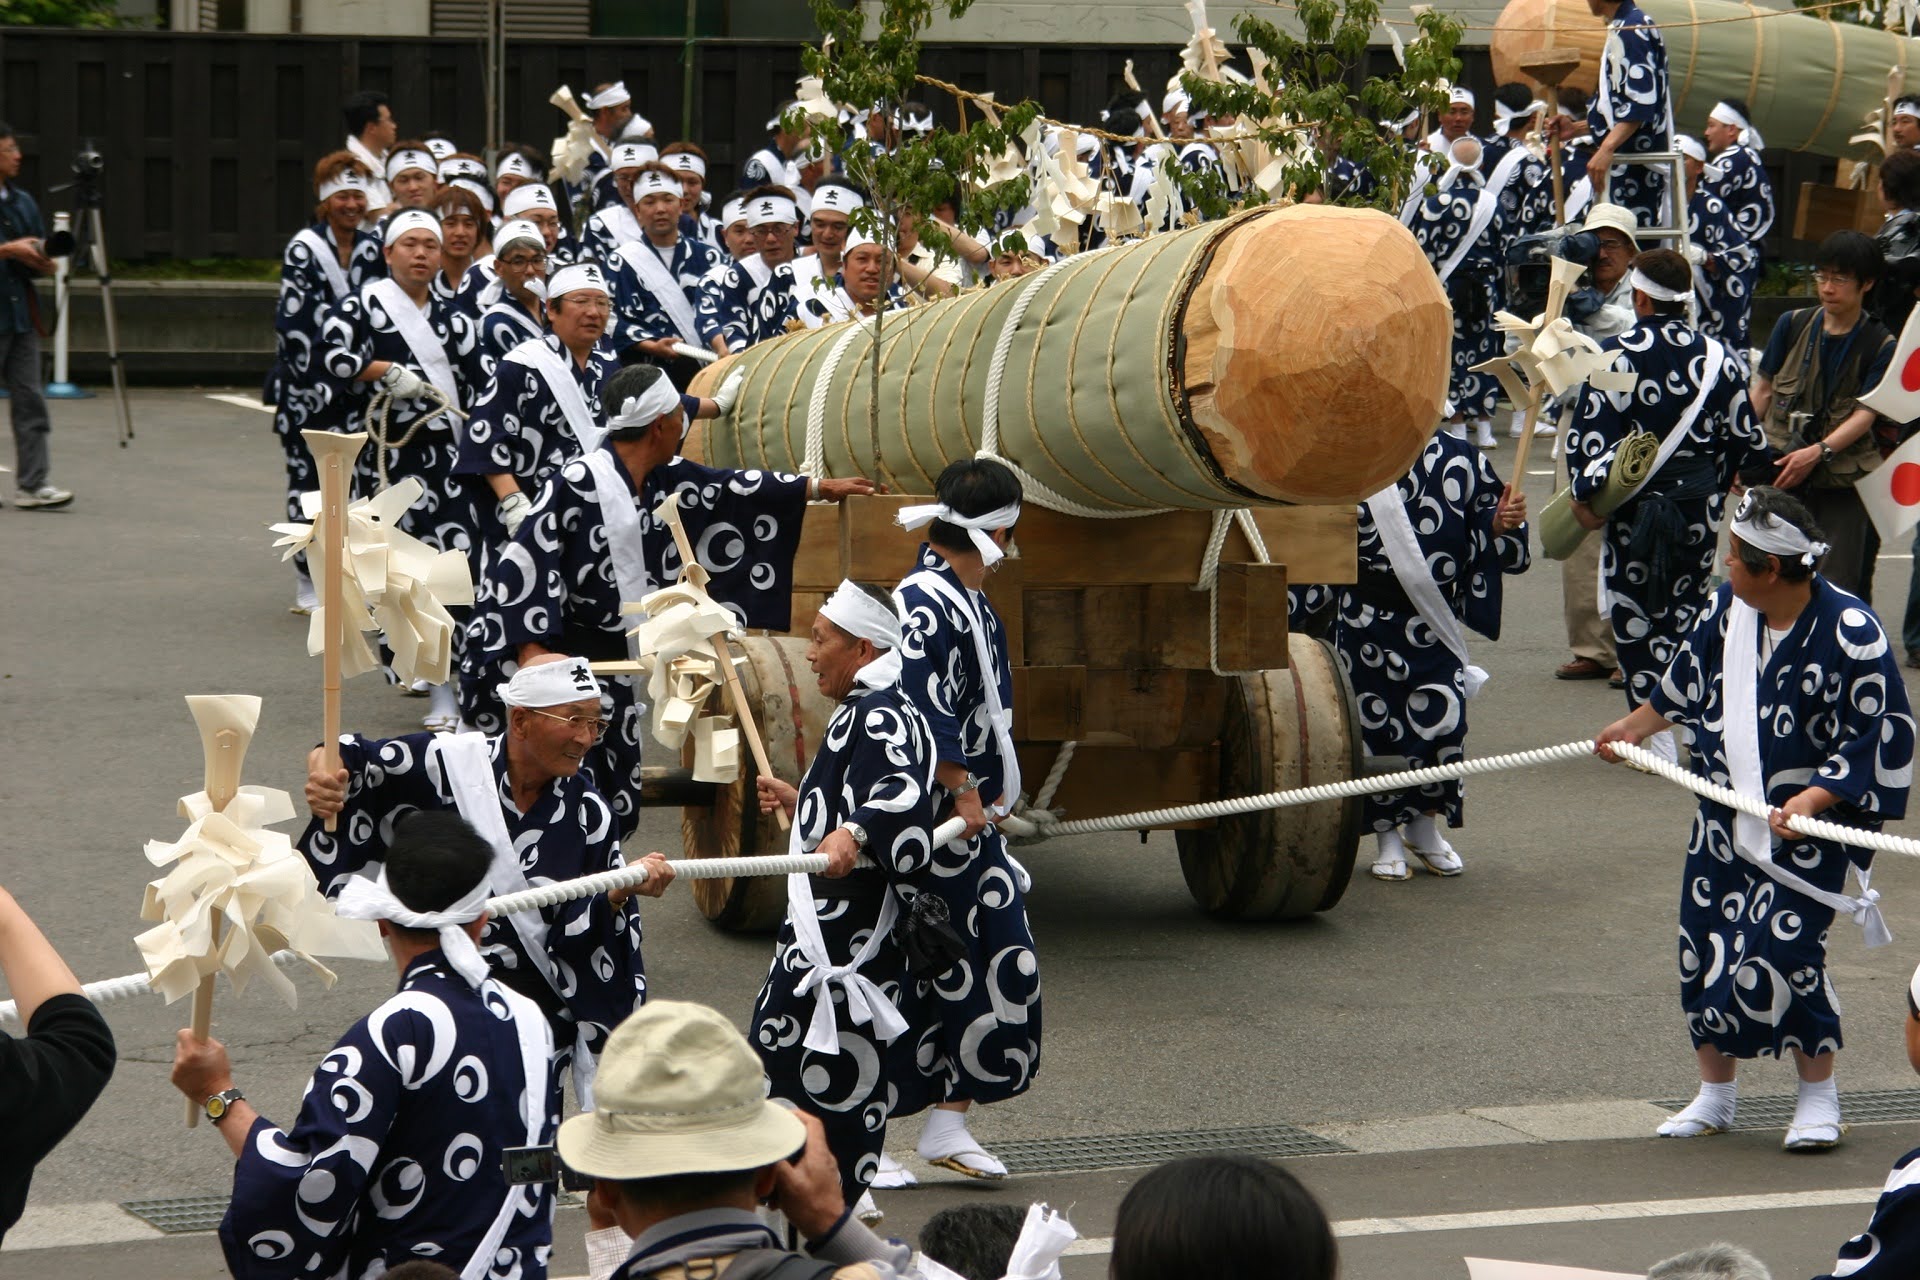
<point x="220" y="1103"/>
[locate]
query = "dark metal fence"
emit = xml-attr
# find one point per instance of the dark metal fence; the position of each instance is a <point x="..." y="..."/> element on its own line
<point x="210" y="140"/>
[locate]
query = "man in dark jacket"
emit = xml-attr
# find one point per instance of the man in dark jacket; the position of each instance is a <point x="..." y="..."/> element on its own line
<point x="50" y="1078"/>
<point x="22" y="257"/>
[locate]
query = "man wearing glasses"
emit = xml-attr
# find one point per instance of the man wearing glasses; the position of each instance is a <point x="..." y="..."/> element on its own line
<point x="522" y="789"/>
<point x="1817" y="363"/>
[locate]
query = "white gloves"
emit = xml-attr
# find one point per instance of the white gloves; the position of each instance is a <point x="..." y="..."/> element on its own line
<point x="1695" y="253"/>
<point x="729" y="391"/>
<point x="403" y="383"/>
<point x="572" y="150"/>
<point x="513" y="510"/>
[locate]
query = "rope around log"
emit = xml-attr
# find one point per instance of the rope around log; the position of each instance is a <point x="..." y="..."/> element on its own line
<point x="1029" y="832"/>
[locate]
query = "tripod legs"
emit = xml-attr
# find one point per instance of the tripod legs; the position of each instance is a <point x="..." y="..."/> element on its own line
<point x="96" y="226"/>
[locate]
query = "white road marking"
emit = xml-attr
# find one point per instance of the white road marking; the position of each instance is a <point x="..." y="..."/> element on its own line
<point x="239" y="401"/>
<point x="1619" y="1211"/>
<point x="86" y="1222"/>
<point x="1532" y="472"/>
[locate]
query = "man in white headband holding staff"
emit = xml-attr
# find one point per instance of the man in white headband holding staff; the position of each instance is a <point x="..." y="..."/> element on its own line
<point x="737" y="306"/>
<point x="1688" y="391"/>
<point x="398" y="1149"/>
<point x="324" y="264"/>
<point x="592" y="543"/>
<point x="424" y="353"/>
<point x="869" y="791"/>
<point x="1789" y="691"/>
<point x="523" y="790"/>
<point x="1736" y="177"/>
<point x="656" y="278"/>
<point x="955" y="668"/>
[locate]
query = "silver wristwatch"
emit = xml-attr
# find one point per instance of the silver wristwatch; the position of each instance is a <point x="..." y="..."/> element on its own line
<point x="969" y="783"/>
<point x="858" y="832"/>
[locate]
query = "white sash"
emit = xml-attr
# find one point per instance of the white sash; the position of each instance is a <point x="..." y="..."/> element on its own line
<point x="1397" y="539"/>
<point x="835" y="307"/>
<point x="535" y="354"/>
<point x="536" y="1053"/>
<point x="928" y="580"/>
<point x="757" y="270"/>
<point x="1422" y="175"/>
<point x="493" y="299"/>
<point x="467" y="762"/>
<point x="1752" y="837"/>
<point x="328" y="256"/>
<point x="1716" y="359"/>
<point x="622" y="519"/>
<point x="411" y="323"/>
<point x="1502" y="174"/>
<point x="1485" y="205"/>
<point x="622" y="227"/>
<point x="661" y="283"/>
<point x="866" y="1002"/>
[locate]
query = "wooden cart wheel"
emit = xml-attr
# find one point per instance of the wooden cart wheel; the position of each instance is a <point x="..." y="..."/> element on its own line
<point x="1291" y="728"/>
<point x="793" y="717"/>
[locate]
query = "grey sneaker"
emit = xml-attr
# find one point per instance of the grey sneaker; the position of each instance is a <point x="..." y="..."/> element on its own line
<point x="45" y="496"/>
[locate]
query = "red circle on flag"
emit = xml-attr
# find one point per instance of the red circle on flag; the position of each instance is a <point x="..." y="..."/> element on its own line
<point x="1906" y="484"/>
<point x="1910" y="372"/>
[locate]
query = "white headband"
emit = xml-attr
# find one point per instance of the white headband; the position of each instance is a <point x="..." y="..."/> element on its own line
<point x="441" y="148"/>
<point x="976" y="526"/>
<point x="345" y="180"/>
<point x="769" y="209"/>
<point x="631" y="155"/>
<point x="1749" y="136"/>
<point x="531" y="195"/>
<point x="411" y="220"/>
<point x="647" y="408"/>
<point x="581" y="277"/>
<point x="854" y="240"/>
<point x="1690" y="148"/>
<point x="734" y="210"/>
<point x="655" y="183"/>
<point x="514" y="231"/>
<point x="551" y="684"/>
<point x="1176" y="100"/>
<point x="401" y="161"/>
<point x="1910" y="110"/>
<point x="480" y="192"/>
<point x="1658" y="292"/>
<point x="838" y="199"/>
<point x="1777" y="537"/>
<point x="1458" y="97"/>
<point x="461" y="167"/>
<point x="913" y="124"/>
<point x="611" y="96"/>
<point x="1503" y="116"/>
<point x="861" y="616"/>
<point x="685" y="162"/>
<point x="364" y="899"/>
<point x="515" y="165"/>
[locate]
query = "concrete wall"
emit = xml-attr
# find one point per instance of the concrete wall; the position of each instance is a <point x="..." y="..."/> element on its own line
<point x="176" y="331"/>
<point x="1147" y="22"/>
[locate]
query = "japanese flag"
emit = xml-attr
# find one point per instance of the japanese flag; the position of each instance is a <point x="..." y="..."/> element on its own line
<point x="1891" y="491"/>
<point x="1898" y="395"/>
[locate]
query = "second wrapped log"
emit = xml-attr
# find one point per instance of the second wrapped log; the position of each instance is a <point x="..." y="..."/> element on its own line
<point x="1282" y="356"/>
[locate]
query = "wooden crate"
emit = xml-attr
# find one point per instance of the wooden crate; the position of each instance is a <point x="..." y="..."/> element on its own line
<point x="1824" y="210"/>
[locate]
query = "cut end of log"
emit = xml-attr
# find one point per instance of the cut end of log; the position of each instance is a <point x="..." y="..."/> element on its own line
<point x="1559" y="36"/>
<point x="1318" y="347"/>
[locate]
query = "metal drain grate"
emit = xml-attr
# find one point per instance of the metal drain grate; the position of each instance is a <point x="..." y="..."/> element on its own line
<point x="1868" y="1106"/>
<point x="191" y="1213"/>
<point x="1126" y="1150"/>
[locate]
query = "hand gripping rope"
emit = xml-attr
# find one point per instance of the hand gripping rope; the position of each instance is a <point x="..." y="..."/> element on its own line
<point x="1039" y="825"/>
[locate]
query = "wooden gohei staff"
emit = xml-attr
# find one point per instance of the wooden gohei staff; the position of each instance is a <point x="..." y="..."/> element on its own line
<point x="333" y="452"/>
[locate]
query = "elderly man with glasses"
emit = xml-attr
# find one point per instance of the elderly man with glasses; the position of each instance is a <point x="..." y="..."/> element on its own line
<point x="523" y="790"/>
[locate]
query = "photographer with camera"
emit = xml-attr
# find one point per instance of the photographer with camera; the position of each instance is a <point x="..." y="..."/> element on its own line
<point x="406" y="1133"/>
<point x="23" y="255"/>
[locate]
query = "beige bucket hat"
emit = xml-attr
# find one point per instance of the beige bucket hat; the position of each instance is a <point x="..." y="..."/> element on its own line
<point x="678" y="1091"/>
<point x="1614" y="217"/>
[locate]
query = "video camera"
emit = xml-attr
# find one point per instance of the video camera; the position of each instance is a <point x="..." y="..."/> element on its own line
<point x="1530" y="271"/>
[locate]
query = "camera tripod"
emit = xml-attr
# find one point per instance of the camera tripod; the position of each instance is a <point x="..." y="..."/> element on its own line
<point x="88" y="239"/>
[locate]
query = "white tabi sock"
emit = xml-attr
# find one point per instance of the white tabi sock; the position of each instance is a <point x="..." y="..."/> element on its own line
<point x="1483" y="433"/>
<point x="1423" y="834"/>
<point x="1458" y="430"/>
<point x="1519" y="423"/>
<point x="892" y="1175"/>
<point x="1390" y="855"/>
<point x="1711" y="1111"/>
<point x="304" y="595"/>
<point x="1817" y="1109"/>
<point x="444" y="702"/>
<point x="946" y="1137"/>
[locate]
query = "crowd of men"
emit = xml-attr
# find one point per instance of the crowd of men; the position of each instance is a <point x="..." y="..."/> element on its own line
<point x="516" y="336"/>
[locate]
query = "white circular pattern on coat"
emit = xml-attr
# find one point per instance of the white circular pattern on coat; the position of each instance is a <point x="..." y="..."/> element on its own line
<point x="399" y="1189"/>
<point x="430" y="1016"/>
<point x="818" y="1072"/>
<point x="470" y="1079"/>
<point x="462" y="1160"/>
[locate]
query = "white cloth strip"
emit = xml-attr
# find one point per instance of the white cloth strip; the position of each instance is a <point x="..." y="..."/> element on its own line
<point x="535" y="354"/>
<point x="622" y="522"/>
<point x="685" y="162"/>
<point x="654" y="183"/>
<point x="1397" y="539"/>
<point x="411" y="220"/>
<point x="401" y="161"/>
<point x="411" y="323"/>
<point x="345" y="180"/>
<point x="977" y="527"/>
<point x="1654" y="289"/>
<point x="583" y="277"/>
<point x="364" y="899"/>
<point x="861" y="616"/>
<point x="771" y="209"/>
<point x="647" y="408"/>
<point x="551" y="684"/>
<point x="998" y="712"/>
<point x="660" y="282"/>
<point x="613" y="95"/>
<point x="1780" y="539"/>
<point x="329" y="259"/>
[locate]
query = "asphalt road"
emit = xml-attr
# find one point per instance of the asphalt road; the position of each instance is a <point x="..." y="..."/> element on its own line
<point x="1486" y="1045"/>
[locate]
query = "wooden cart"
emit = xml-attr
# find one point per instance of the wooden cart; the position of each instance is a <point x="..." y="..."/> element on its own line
<point x="1109" y="645"/>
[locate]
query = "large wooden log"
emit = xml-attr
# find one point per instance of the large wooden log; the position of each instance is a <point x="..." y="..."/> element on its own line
<point x="1283" y="356"/>
<point x="1809" y="80"/>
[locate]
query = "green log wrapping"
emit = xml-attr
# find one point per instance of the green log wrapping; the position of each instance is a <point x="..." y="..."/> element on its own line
<point x="1096" y="396"/>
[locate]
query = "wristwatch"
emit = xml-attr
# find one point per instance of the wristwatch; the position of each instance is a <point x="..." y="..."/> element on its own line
<point x="1826" y="452"/>
<point x="969" y="783"/>
<point x="858" y="832"/>
<point x="221" y="1103"/>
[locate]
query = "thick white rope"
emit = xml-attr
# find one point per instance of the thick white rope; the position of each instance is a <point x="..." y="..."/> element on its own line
<point x="720" y="868"/>
<point x="814" y="462"/>
<point x="1210" y="575"/>
<point x="380" y="405"/>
